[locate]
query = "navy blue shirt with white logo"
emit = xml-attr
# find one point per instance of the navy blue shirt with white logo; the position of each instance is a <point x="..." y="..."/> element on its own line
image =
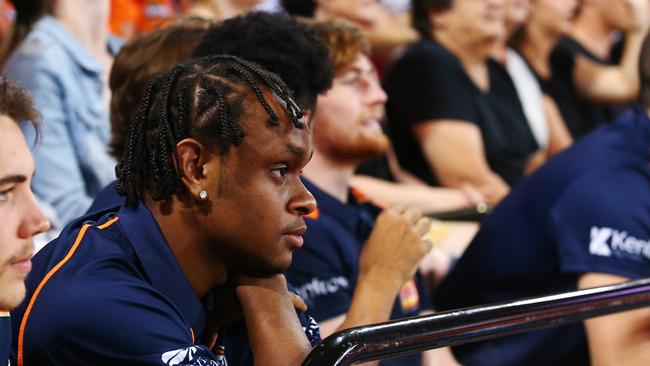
<point x="325" y="270"/>
<point x="233" y="338"/>
<point x="587" y="210"/>
<point x="109" y="291"/>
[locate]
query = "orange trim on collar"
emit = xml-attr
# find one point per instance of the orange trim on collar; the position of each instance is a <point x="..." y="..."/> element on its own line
<point x="314" y="215"/>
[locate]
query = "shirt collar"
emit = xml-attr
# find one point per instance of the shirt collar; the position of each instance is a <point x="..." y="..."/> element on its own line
<point x="51" y="27"/>
<point x="160" y="264"/>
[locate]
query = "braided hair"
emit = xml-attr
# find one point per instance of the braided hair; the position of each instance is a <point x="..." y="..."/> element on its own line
<point x="203" y="99"/>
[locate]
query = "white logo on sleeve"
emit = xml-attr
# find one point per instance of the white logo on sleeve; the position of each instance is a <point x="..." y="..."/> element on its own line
<point x="606" y="242"/>
<point x="191" y="356"/>
<point x="598" y="244"/>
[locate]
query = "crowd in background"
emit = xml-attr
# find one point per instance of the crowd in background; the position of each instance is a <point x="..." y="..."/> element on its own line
<point x="473" y="99"/>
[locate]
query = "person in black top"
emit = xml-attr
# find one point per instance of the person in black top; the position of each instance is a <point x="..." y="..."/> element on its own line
<point x="579" y="71"/>
<point x="19" y="213"/>
<point x="454" y="115"/>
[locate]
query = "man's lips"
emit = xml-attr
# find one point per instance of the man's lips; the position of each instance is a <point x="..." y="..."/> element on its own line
<point x="23" y="264"/>
<point x="294" y="236"/>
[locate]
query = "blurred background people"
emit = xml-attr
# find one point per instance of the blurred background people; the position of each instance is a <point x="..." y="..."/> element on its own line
<point x="571" y="56"/>
<point x="61" y="52"/>
<point x="542" y="113"/>
<point x="581" y="221"/>
<point x="453" y="113"/>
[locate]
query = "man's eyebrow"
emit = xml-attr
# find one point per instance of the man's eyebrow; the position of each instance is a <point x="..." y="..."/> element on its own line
<point x="13" y="179"/>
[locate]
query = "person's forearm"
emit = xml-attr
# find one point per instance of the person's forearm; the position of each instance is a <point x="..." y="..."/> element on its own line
<point x="372" y="300"/>
<point x="276" y="337"/>
<point x="427" y="199"/>
<point x="629" y="65"/>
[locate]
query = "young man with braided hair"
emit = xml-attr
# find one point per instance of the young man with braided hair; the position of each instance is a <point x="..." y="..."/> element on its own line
<point x="372" y="293"/>
<point x="214" y="204"/>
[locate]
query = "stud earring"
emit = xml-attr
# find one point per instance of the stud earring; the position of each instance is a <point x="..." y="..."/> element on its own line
<point x="203" y="195"/>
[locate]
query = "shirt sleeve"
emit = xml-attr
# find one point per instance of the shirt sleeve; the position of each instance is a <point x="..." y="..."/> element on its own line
<point x="428" y="85"/>
<point x="116" y="322"/>
<point x="319" y="275"/>
<point x="600" y="225"/>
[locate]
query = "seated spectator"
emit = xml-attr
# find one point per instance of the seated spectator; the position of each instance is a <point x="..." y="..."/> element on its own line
<point x="585" y="78"/>
<point x="411" y="191"/>
<point x="216" y="129"/>
<point x="542" y="113"/>
<point x="364" y="257"/>
<point x="64" y="61"/>
<point x="20" y="215"/>
<point x="454" y="115"/>
<point x="579" y="222"/>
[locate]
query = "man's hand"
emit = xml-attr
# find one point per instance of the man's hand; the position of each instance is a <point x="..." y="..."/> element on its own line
<point x="269" y="310"/>
<point x="227" y="308"/>
<point x="395" y="247"/>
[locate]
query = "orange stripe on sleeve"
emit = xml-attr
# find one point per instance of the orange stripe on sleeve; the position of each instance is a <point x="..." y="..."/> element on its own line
<point x="23" y="323"/>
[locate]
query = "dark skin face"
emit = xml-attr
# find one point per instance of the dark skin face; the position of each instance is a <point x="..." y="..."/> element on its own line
<point x="251" y="221"/>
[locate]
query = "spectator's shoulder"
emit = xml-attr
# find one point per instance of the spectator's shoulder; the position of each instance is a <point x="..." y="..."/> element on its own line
<point x="600" y="224"/>
<point x="110" y="310"/>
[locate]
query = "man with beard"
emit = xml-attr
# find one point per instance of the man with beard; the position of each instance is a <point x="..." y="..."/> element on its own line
<point x="336" y="271"/>
<point x="19" y="213"/>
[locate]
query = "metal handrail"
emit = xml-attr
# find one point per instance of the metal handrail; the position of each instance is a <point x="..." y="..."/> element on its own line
<point x="455" y="327"/>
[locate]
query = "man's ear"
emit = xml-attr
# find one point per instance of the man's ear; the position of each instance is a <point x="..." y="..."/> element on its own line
<point x="193" y="159"/>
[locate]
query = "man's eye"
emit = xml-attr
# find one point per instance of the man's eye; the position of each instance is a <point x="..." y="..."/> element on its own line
<point x="280" y="170"/>
<point x="4" y="195"/>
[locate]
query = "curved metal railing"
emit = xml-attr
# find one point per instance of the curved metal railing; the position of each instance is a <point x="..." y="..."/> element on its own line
<point x="401" y="337"/>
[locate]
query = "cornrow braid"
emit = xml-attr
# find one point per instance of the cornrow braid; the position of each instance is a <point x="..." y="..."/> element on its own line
<point x="203" y="99"/>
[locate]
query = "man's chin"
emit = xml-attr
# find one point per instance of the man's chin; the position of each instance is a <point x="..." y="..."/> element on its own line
<point x="265" y="269"/>
<point x="11" y="297"/>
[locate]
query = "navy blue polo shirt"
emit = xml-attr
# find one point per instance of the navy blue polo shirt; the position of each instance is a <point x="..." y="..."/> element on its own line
<point x="5" y="337"/>
<point x="109" y="291"/>
<point x="324" y="271"/>
<point x="233" y="337"/>
<point x="586" y="211"/>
